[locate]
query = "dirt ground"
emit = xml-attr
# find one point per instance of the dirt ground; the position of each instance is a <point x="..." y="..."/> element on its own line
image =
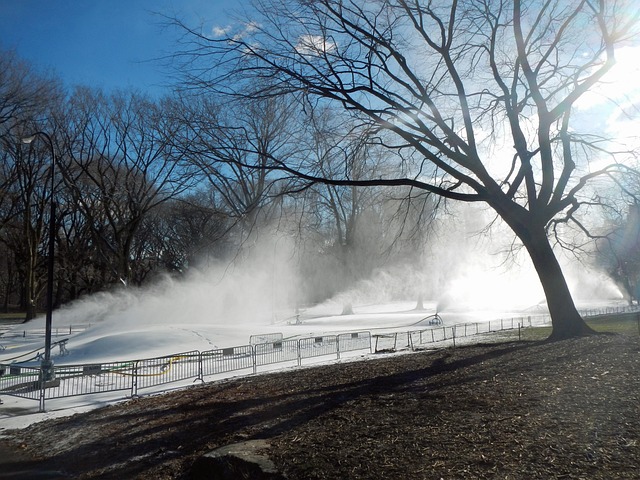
<point x="568" y="410"/>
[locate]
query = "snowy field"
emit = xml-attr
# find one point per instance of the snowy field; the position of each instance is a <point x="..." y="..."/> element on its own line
<point x="113" y="341"/>
<point x="107" y="341"/>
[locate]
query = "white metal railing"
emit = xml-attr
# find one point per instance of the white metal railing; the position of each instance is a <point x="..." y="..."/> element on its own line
<point x="27" y="381"/>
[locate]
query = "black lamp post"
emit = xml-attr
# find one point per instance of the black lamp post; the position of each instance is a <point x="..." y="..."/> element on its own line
<point x="47" y="363"/>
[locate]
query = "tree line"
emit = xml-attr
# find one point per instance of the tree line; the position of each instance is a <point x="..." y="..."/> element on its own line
<point x="348" y="124"/>
<point x="146" y="187"/>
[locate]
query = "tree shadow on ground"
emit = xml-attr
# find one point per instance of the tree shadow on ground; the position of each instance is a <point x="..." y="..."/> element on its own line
<point x="126" y="440"/>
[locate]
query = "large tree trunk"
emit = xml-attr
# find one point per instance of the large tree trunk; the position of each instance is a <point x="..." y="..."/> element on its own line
<point x="565" y="318"/>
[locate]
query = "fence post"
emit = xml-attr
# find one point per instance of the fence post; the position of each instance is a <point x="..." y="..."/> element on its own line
<point x="200" y="368"/>
<point x="519" y="334"/>
<point x="337" y="347"/>
<point x="43" y="392"/>
<point x="254" y="359"/>
<point x="134" y="382"/>
<point x="299" y="353"/>
<point x="453" y="334"/>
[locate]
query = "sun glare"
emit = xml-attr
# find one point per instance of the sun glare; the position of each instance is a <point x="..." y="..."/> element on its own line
<point x="620" y="87"/>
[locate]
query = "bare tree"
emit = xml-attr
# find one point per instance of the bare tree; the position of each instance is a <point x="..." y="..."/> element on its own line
<point x="357" y="225"/>
<point x="23" y="91"/>
<point x="230" y="145"/>
<point x="27" y="99"/>
<point x="618" y="245"/>
<point x="120" y="167"/>
<point x="624" y="254"/>
<point x="184" y="233"/>
<point x="475" y="97"/>
<point x="25" y="215"/>
<point x="78" y="259"/>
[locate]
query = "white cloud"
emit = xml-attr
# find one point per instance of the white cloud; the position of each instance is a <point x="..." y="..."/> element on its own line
<point x="249" y="28"/>
<point x="241" y="31"/>
<point x="314" y="45"/>
<point x="219" y="32"/>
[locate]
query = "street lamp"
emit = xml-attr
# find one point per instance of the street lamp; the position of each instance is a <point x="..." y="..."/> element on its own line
<point x="47" y="363"/>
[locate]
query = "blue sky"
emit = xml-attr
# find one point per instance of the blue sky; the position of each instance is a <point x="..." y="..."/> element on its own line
<point x="102" y="43"/>
<point x="111" y="44"/>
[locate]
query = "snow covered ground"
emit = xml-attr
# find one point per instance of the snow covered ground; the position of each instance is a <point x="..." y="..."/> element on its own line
<point x="117" y="341"/>
<point x="107" y="341"/>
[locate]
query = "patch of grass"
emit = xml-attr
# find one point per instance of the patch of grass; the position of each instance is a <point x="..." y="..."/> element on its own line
<point x="623" y="323"/>
<point x="534" y="334"/>
<point x="12" y="317"/>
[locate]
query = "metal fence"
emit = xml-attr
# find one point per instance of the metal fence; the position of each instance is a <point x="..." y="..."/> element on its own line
<point x="318" y="346"/>
<point x="225" y="360"/>
<point x="22" y="381"/>
<point x="353" y="341"/>
<point x="27" y="381"/>
<point x="276" y="352"/>
<point x="265" y="338"/>
<point x="134" y="375"/>
<point x="40" y="332"/>
<point x="168" y="369"/>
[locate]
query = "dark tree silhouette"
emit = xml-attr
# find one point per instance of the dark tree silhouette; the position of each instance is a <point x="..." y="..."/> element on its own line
<point x="448" y="86"/>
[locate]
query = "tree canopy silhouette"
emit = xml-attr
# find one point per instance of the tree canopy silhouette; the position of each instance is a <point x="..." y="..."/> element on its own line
<point x="474" y="97"/>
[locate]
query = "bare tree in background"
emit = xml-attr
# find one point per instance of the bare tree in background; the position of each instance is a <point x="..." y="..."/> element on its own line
<point x="618" y="245"/>
<point x="186" y="232"/>
<point x="25" y="232"/>
<point x="27" y="99"/>
<point x="120" y="167"/>
<point x="475" y="97"/>
<point x="229" y="146"/>
<point x="24" y="92"/>
<point x="333" y="146"/>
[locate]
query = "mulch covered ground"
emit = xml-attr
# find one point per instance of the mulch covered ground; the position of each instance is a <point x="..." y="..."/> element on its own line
<point x="568" y="409"/>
